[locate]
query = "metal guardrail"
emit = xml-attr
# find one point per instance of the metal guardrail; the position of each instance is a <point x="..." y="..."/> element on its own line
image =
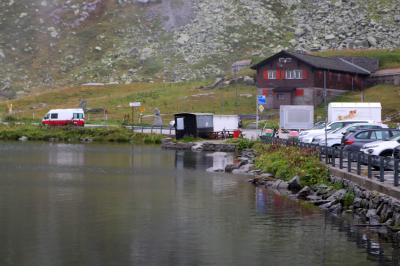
<point x="385" y="169"/>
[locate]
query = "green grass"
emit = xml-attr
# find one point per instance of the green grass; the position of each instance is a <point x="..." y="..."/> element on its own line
<point x="387" y="58"/>
<point x="170" y="98"/>
<point x="74" y="134"/>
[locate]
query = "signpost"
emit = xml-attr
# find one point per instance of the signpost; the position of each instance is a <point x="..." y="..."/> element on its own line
<point x="261" y="100"/>
<point x="134" y="105"/>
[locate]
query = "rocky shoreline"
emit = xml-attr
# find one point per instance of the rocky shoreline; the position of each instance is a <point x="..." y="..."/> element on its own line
<point x="169" y="144"/>
<point x="340" y="198"/>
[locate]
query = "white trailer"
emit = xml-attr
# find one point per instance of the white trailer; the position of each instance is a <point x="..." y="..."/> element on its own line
<point x="296" y="116"/>
<point x="225" y="122"/>
<point x="355" y="111"/>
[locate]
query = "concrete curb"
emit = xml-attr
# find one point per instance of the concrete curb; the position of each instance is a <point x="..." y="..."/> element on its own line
<point x="369" y="184"/>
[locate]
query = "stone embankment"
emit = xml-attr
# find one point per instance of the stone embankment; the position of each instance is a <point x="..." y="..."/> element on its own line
<point x="209" y="146"/>
<point x="339" y="196"/>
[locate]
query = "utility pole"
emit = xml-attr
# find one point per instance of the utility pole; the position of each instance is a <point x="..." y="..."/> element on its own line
<point x="326" y="117"/>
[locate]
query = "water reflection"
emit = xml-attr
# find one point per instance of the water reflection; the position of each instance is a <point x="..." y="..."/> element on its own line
<point x="139" y="205"/>
<point x="63" y="155"/>
<point x="191" y="160"/>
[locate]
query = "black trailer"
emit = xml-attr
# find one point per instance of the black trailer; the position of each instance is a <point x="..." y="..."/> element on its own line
<point x="197" y="125"/>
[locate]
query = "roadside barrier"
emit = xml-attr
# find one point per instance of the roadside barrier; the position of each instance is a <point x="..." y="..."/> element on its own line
<point x="385" y="169"/>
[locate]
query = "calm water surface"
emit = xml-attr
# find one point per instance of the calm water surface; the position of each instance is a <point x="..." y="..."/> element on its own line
<point x="139" y="205"/>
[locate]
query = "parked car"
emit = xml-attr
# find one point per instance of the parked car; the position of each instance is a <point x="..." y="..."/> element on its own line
<point x="381" y="147"/>
<point x="334" y="139"/>
<point x="356" y="140"/>
<point x="308" y="135"/>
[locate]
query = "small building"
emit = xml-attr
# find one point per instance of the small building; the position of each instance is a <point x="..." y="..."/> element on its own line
<point x="197" y="125"/>
<point x="289" y="78"/>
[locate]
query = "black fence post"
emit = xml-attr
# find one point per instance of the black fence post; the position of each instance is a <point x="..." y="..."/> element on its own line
<point x="349" y="161"/>
<point x="341" y="158"/>
<point x="142" y="129"/>
<point x="359" y="163"/>
<point x="326" y="155"/>
<point x="369" y="166"/>
<point x="381" y="169"/>
<point x="320" y="153"/>
<point x="396" y="172"/>
<point x="333" y="157"/>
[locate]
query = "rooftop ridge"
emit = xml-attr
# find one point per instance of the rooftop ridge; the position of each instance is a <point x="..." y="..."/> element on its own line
<point x="357" y="66"/>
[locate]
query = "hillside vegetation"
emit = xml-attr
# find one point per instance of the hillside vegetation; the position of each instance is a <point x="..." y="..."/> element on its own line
<point x="53" y="44"/>
<point x="170" y="98"/>
<point x="387" y="58"/>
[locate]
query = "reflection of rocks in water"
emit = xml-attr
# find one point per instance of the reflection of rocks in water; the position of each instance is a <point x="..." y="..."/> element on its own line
<point x="191" y="160"/>
<point x="379" y="247"/>
<point x="220" y="161"/>
<point x="195" y="160"/>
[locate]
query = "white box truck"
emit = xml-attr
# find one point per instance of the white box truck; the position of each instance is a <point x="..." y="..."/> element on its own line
<point x="225" y="122"/>
<point x="296" y="116"/>
<point x="355" y="111"/>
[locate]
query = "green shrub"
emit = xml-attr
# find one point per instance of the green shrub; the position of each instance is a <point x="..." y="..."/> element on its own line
<point x="286" y="162"/>
<point x="10" y="118"/>
<point x="242" y="143"/>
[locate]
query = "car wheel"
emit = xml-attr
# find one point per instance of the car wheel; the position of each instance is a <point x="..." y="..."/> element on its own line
<point x="386" y="153"/>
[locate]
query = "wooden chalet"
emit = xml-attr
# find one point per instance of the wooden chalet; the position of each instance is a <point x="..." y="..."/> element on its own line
<point x="289" y="78"/>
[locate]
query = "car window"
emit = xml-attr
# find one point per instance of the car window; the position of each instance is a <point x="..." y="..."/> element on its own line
<point x="54" y="116"/>
<point x="395" y="133"/>
<point x="395" y="138"/>
<point x="370" y="126"/>
<point x="78" y="116"/>
<point x="380" y="135"/>
<point x="362" y="135"/>
<point x="336" y="125"/>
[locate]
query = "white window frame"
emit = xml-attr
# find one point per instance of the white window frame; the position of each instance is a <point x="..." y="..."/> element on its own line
<point x="271" y="74"/>
<point x="294" y="74"/>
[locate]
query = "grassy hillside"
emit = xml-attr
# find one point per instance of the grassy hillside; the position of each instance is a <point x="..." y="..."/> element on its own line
<point x="170" y="98"/>
<point x="387" y="58"/>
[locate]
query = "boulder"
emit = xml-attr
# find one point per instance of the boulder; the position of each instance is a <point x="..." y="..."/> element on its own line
<point x="230" y="167"/>
<point x="294" y="184"/>
<point x="23" y="138"/>
<point x="303" y="193"/>
<point x="338" y="195"/>
<point x="279" y="184"/>
<point x="248" y="81"/>
<point x="336" y="209"/>
<point x="372" y="41"/>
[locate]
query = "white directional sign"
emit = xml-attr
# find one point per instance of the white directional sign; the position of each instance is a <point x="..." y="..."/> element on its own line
<point x="135" y="104"/>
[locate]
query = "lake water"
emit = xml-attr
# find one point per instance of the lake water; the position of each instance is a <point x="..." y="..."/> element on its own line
<point x="94" y="204"/>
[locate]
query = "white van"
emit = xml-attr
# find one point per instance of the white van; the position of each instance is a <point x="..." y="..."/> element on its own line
<point x="64" y="117"/>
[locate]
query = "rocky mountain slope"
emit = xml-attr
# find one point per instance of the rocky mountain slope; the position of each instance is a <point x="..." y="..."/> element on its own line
<point x="47" y="43"/>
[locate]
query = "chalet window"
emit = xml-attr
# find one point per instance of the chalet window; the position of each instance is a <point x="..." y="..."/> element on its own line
<point x="294" y="74"/>
<point x="271" y="74"/>
<point x="280" y="96"/>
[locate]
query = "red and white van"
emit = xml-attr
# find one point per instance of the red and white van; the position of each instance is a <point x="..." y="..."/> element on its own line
<point x="64" y="117"/>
